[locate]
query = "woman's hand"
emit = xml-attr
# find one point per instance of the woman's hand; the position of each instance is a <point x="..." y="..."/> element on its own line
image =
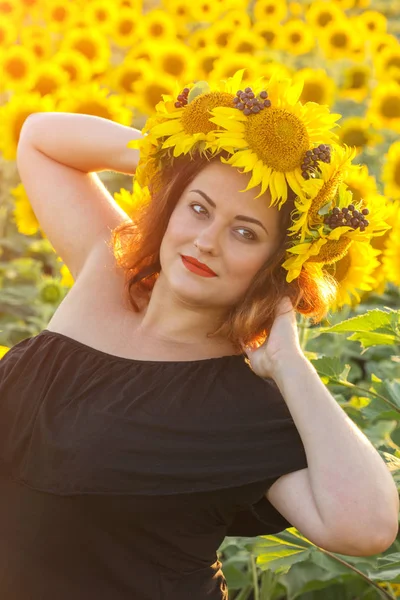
<point x="281" y="345"/>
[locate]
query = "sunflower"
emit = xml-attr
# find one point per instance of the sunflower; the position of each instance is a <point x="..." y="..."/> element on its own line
<point x="273" y="142"/>
<point x="327" y="245"/>
<point x="220" y="33"/>
<point x="356" y="82"/>
<point x="186" y="125"/>
<point x="93" y="99"/>
<point x="199" y="40"/>
<point x="353" y="273"/>
<point x="357" y="132"/>
<point x="318" y="86"/>
<point x="13" y="115"/>
<point x="246" y="41"/>
<point x="60" y="16"/>
<point x="17" y="66"/>
<point x="147" y="92"/>
<point x="373" y="22"/>
<point x="384" y="108"/>
<point x="379" y="42"/>
<point x="49" y="78"/>
<point x="205" y="11"/>
<point x="391" y="171"/>
<point x="297" y="37"/>
<point x="338" y="40"/>
<point x="74" y="64"/>
<point x="387" y="60"/>
<point x="176" y="59"/>
<point x="38" y="40"/>
<point x="239" y="18"/>
<point x="180" y="10"/>
<point x="125" y="75"/>
<point x="8" y="32"/>
<point x="205" y="59"/>
<point x="270" y="32"/>
<point x="361" y="183"/>
<point x="319" y="194"/>
<point x="269" y="9"/>
<point x="126" y="26"/>
<point x="391" y="254"/>
<point x="102" y="14"/>
<point x="321" y="13"/>
<point x="229" y="63"/>
<point x="92" y="44"/>
<point x="23" y="215"/>
<point x="156" y="26"/>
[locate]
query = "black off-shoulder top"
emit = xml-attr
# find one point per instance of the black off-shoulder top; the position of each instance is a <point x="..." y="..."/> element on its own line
<point x="120" y="478"/>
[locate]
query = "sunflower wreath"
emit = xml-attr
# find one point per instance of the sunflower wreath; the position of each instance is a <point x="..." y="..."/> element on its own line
<point x="266" y="130"/>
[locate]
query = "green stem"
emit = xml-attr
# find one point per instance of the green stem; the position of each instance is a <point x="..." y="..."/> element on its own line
<point x="360" y="573"/>
<point x="357" y="387"/>
<point x="255" y="578"/>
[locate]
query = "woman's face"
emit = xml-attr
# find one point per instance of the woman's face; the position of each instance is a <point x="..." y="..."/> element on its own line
<point x="218" y="232"/>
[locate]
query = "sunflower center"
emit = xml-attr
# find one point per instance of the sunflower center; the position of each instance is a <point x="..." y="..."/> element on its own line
<point x="245" y="46"/>
<point x="295" y="37"/>
<point x="313" y="91"/>
<point x="340" y="269"/>
<point x="324" y="18"/>
<point x="354" y="137"/>
<point x="325" y="195"/>
<point x="174" y="65"/>
<point x="125" y="27"/>
<point x="16" y="68"/>
<point x="396" y="173"/>
<point x="358" y="79"/>
<point x="85" y="47"/>
<point x="390" y="107"/>
<point x="332" y="251"/>
<point x="339" y="40"/>
<point x="394" y="61"/>
<point x="195" y="118"/>
<point x="156" y="30"/>
<point x="268" y="36"/>
<point x="278" y="137"/>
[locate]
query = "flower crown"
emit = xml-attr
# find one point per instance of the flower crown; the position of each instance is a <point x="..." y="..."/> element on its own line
<point x="284" y="143"/>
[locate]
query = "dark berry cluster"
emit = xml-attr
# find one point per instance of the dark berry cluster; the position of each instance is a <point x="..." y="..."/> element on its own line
<point x="311" y="158"/>
<point x="248" y="103"/>
<point x="349" y="217"/>
<point x="182" y="99"/>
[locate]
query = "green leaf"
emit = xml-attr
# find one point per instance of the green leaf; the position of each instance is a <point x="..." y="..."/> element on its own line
<point x="370" y="321"/>
<point x="331" y="368"/>
<point x="370" y="338"/>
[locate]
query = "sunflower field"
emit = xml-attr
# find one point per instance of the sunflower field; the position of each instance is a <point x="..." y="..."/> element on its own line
<point x="116" y="60"/>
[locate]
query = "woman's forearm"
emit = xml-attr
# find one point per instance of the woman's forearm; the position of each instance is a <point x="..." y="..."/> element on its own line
<point x="84" y="142"/>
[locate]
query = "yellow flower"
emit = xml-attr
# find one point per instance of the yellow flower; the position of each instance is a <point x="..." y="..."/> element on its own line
<point x="357" y="132"/>
<point x="338" y="39"/>
<point x="13" y="115"/>
<point x="270" y="32"/>
<point x="384" y="108"/>
<point x="391" y="254"/>
<point x="297" y="37"/>
<point x="391" y="172"/>
<point x="272" y="143"/>
<point x="184" y="127"/>
<point x="387" y="61"/>
<point x="356" y="82"/>
<point x="361" y="184"/>
<point x="75" y="65"/>
<point x="17" y="68"/>
<point x="156" y="26"/>
<point x="321" y="13"/>
<point x="318" y="86"/>
<point x="37" y="39"/>
<point x="229" y="63"/>
<point x="24" y="217"/>
<point x="319" y="194"/>
<point x="92" y="99"/>
<point x="269" y="9"/>
<point x="126" y="25"/>
<point x="49" y="78"/>
<point x="3" y="351"/>
<point x="92" y="44"/>
<point x="373" y="21"/>
<point x="354" y="273"/>
<point x="328" y="248"/>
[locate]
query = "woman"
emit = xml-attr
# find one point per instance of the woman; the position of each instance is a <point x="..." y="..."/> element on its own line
<point x="140" y="428"/>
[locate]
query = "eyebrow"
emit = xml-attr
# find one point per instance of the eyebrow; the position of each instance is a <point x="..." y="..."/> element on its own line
<point x="239" y="217"/>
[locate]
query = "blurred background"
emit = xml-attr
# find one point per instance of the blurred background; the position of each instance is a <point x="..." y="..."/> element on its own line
<point x="115" y="59"/>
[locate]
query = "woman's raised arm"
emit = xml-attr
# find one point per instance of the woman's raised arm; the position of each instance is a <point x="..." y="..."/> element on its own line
<point x="84" y="142"/>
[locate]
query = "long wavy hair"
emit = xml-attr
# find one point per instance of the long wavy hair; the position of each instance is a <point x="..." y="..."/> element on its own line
<point x="136" y="247"/>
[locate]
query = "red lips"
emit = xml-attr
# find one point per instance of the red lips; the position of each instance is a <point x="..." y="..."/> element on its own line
<point x="198" y="264"/>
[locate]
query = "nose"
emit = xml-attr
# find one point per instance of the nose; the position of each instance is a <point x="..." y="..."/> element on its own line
<point x="207" y="240"/>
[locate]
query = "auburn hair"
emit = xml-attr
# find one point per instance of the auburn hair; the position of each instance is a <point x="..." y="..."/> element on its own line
<point x="136" y="247"/>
